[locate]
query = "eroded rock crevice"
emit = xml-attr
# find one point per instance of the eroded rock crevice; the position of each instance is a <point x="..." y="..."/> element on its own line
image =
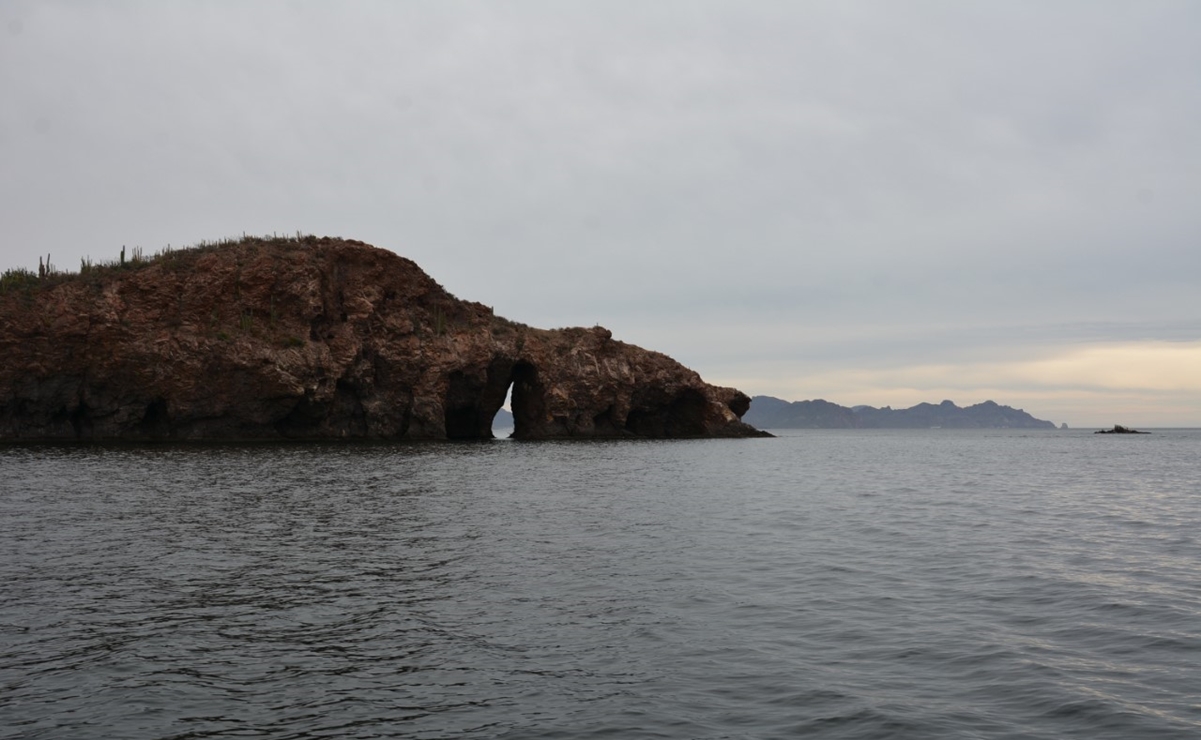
<point x="466" y="417"/>
<point x="681" y="415"/>
<point x="156" y="421"/>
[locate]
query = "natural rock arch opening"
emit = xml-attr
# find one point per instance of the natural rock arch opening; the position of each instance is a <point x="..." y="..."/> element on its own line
<point x="473" y="398"/>
<point x="472" y="401"/>
<point x="528" y="401"/>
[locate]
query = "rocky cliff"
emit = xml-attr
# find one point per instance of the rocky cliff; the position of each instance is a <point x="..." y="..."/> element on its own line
<point x="317" y="338"/>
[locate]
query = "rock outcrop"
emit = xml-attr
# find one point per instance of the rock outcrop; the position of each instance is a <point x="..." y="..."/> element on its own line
<point x="1119" y="429"/>
<point x="317" y="338"/>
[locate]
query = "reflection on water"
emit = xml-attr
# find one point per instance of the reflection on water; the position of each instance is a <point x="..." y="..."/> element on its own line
<point x="824" y="584"/>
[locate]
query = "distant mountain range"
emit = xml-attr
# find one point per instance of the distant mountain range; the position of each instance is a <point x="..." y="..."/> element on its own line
<point x="502" y="420"/>
<point x="774" y="413"/>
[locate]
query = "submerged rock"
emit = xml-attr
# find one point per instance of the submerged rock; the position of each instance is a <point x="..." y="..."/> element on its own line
<point x="1119" y="429"/>
<point x="317" y="338"/>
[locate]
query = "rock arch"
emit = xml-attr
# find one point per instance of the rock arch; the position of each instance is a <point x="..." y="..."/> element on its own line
<point x="528" y="400"/>
<point x="472" y="400"/>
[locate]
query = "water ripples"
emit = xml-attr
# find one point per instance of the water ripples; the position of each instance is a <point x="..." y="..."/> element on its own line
<point x="826" y="584"/>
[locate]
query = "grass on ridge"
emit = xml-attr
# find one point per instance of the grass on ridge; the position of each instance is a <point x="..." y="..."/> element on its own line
<point x="24" y="279"/>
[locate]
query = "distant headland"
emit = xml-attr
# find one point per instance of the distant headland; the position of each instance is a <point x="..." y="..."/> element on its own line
<point x="767" y="412"/>
<point x="315" y="338"/>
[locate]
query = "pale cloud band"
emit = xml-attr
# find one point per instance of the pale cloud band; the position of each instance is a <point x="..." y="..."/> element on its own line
<point x="1156" y="382"/>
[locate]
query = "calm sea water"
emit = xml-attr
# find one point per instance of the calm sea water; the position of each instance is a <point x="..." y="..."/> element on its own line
<point x="827" y="584"/>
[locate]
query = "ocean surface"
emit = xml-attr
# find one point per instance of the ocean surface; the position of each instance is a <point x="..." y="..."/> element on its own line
<point x="824" y="584"/>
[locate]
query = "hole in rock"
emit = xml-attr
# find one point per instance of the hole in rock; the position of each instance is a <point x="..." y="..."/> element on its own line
<point x="528" y="401"/>
<point x="502" y="422"/>
<point x="473" y="401"/>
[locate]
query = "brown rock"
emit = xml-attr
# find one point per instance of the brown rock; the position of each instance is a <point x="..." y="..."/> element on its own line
<point x="314" y="339"/>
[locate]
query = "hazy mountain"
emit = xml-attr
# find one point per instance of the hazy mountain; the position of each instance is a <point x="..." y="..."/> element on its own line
<point x="773" y="413"/>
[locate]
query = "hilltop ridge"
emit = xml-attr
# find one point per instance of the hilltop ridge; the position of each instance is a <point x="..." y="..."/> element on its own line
<point x="767" y="412"/>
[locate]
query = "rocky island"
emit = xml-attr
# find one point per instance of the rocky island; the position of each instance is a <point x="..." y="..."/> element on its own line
<point x="316" y="338"/>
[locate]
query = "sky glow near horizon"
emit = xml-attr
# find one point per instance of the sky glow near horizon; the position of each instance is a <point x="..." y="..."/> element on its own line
<point x="869" y="202"/>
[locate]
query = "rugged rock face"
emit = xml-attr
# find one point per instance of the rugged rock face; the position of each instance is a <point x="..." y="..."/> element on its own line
<point x="317" y="338"/>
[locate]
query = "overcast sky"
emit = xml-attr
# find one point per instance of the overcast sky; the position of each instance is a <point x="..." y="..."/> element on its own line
<point x="869" y="202"/>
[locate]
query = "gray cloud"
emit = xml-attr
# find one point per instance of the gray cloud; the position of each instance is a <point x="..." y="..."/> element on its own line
<point x="944" y="174"/>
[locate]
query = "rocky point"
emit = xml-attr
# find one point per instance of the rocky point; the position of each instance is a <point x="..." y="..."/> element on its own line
<point x="317" y="338"/>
